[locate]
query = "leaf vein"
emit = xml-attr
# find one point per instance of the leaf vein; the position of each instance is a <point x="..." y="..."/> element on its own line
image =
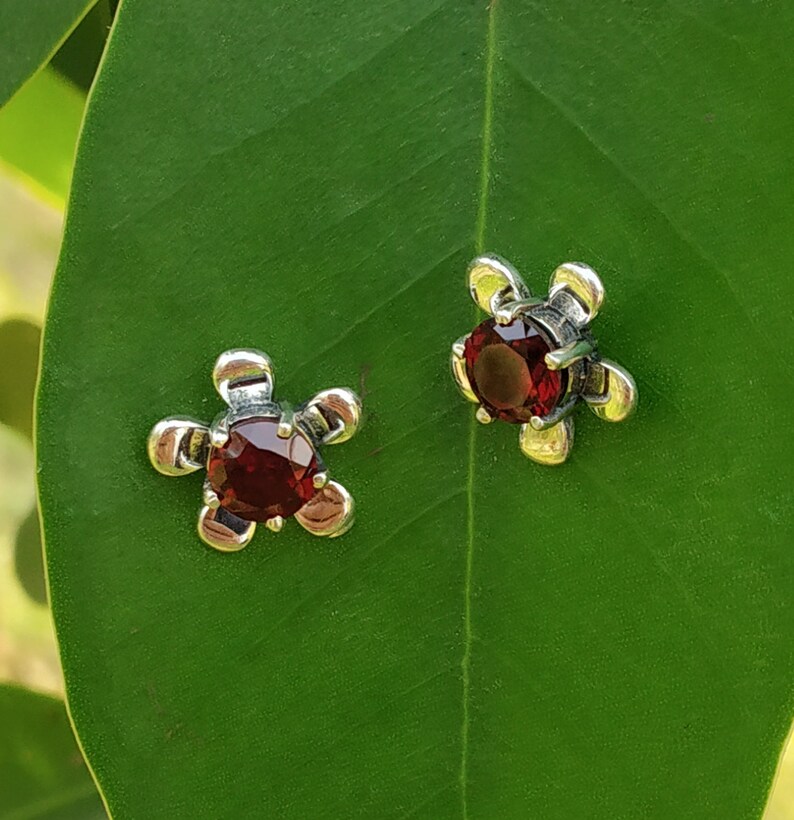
<point x="482" y="216"/>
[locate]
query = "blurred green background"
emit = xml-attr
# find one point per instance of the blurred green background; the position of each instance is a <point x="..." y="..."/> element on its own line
<point x="41" y="770"/>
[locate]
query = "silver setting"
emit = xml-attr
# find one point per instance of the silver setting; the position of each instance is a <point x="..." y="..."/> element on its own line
<point x="575" y="297"/>
<point x="242" y="376"/>
<point x="610" y="392"/>
<point x="332" y="416"/>
<point x="576" y="290"/>
<point x="550" y="445"/>
<point x="458" y="365"/>
<point x="286" y="425"/>
<point x="330" y="513"/>
<point x="483" y="416"/>
<point x="223" y="531"/>
<point x="509" y="312"/>
<point x="219" y="430"/>
<point x="275" y="524"/>
<point x="561" y="411"/>
<point x="244" y="379"/>
<point x="494" y="282"/>
<point x="178" y="446"/>
<point x="568" y="354"/>
<point x="209" y="496"/>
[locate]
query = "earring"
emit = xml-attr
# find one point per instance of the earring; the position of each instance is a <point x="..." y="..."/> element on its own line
<point x="261" y="457"/>
<point x="536" y="358"/>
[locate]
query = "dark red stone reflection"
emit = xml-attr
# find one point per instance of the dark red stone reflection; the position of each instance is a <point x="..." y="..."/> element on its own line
<point x="258" y="475"/>
<point x="508" y="373"/>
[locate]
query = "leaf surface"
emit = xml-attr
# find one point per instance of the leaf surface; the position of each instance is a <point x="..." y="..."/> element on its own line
<point x="38" y="133"/>
<point x="30" y="32"/>
<point x="78" y="57"/>
<point x="19" y="350"/>
<point x="608" y="639"/>
<point x="28" y="559"/>
<point x="42" y="773"/>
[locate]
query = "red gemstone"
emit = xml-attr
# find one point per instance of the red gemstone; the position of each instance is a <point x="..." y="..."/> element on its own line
<point x="507" y="370"/>
<point x="258" y="475"/>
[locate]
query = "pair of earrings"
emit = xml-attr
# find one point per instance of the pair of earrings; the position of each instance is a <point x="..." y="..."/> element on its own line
<point x="529" y="364"/>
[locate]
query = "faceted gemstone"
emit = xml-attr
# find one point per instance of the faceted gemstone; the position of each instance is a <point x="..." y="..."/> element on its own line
<point x="508" y="373"/>
<point x="258" y="475"/>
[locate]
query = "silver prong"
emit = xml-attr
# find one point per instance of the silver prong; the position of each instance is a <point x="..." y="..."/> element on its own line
<point x="178" y="446"/>
<point x="209" y="496"/>
<point x="275" y="524"/>
<point x="493" y="282"/>
<point x="458" y="365"/>
<point x="554" y="417"/>
<point x="332" y="416"/>
<point x="610" y="391"/>
<point x="568" y="354"/>
<point x="577" y="291"/>
<point x="549" y="446"/>
<point x="245" y="371"/>
<point x="330" y="512"/>
<point x="320" y="480"/>
<point x="510" y="311"/>
<point x="223" y="531"/>
<point x="483" y="416"/>
<point x="219" y="430"/>
<point x="507" y="313"/>
<point x="286" y="425"/>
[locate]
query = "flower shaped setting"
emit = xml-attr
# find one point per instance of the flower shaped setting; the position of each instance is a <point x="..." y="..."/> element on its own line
<point x="535" y="359"/>
<point x="261" y="457"/>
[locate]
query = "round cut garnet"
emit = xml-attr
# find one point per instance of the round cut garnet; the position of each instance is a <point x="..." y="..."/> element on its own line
<point x="507" y="370"/>
<point x="257" y="475"/>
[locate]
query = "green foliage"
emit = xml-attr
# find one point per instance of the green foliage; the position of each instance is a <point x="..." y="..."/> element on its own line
<point x="19" y="352"/>
<point x="28" y="560"/>
<point x="608" y="639"/>
<point x="38" y="132"/>
<point x="30" y="31"/>
<point x="78" y="57"/>
<point x="41" y="769"/>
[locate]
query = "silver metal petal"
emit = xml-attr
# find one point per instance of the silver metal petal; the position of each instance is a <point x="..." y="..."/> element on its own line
<point x="494" y="282"/>
<point x="178" y="446"/>
<point x="458" y="364"/>
<point x="550" y="446"/>
<point x="577" y="291"/>
<point x="332" y="416"/>
<point x="610" y="391"/>
<point x="223" y="531"/>
<point x="330" y="513"/>
<point x="246" y="370"/>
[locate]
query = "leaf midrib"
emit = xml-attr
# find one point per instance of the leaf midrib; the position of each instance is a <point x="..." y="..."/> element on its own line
<point x="479" y="243"/>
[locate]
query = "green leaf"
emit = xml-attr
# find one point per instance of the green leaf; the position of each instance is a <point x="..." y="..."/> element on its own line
<point x="41" y="768"/>
<point x="28" y="559"/>
<point x="493" y="639"/>
<point x="30" y="32"/>
<point x="19" y="351"/>
<point x="78" y="58"/>
<point x="38" y="132"/>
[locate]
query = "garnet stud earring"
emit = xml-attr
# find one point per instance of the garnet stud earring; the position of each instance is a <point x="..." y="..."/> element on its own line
<point x="536" y="358"/>
<point x="261" y="457"/>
